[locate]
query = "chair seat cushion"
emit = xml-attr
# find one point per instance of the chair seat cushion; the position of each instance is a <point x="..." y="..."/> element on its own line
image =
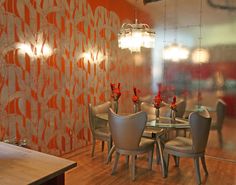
<point x="103" y="132"/>
<point x="180" y="144"/>
<point x="146" y="143"/>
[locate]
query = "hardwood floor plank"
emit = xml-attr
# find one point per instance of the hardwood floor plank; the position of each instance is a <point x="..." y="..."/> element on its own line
<point x="94" y="171"/>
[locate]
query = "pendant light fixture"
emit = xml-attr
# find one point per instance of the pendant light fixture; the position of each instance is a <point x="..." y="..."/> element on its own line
<point x="175" y="52"/>
<point x="137" y="35"/>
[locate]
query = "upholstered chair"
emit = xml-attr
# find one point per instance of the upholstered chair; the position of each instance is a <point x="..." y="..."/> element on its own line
<point x="127" y="133"/>
<point x="194" y="147"/>
<point x="180" y="111"/>
<point x="220" y="116"/>
<point x="99" y="127"/>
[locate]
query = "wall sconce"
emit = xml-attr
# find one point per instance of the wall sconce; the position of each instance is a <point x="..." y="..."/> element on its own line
<point x="38" y="51"/>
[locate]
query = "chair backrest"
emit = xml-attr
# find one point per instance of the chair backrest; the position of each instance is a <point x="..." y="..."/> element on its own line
<point x="180" y="107"/>
<point x="200" y="123"/>
<point x="127" y="131"/>
<point x="95" y="122"/>
<point x="147" y="99"/>
<point x="148" y="108"/>
<point x="220" y="112"/>
<point x="151" y="110"/>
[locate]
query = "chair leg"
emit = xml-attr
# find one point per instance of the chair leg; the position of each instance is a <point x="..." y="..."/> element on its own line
<point x="102" y="146"/>
<point x="220" y="138"/>
<point x="150" y="159"/>
<point x="176" y="161"/>
<point x="127" y="160"/>
<point x="108" y="146"/>
<point x="133" y="167"/>
<point x="93" y="147"/>
<point x="116" y="162"/>
<point x="204" y="165"/>
<point x="110" y="154"/>
<point x="197" y="170"/>
<point x="166" y="159"/>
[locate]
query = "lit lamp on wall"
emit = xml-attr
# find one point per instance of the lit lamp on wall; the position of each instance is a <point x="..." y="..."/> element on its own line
<point x="200" y="55"/>
<point x="175" y="53"/>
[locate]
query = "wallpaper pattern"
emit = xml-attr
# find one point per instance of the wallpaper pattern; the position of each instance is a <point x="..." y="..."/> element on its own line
<point x="56" y="56"/>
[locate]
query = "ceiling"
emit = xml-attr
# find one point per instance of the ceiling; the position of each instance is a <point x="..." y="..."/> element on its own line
<point x="187" y="12"/>
<point x="189" y="17"/>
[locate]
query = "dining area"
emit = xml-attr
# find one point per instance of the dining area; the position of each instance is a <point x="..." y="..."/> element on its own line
<point x="154" y="126"/>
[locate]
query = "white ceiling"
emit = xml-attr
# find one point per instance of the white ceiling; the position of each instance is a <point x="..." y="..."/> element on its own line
<point x="188" y="17"/>
<point x="187" y="12"/>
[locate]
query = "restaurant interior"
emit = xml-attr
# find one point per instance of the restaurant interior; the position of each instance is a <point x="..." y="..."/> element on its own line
<point x="73" y="71"/>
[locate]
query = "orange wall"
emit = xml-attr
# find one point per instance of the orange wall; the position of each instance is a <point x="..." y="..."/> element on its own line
<point x="44" y="95"/>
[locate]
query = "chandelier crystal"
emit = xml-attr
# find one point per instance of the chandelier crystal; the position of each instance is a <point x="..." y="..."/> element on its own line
<point x="134" y="36"/>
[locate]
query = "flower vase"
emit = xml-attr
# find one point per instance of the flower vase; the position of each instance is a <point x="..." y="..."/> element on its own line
<point x="136" y="109"/>
<point x="116" y="106"/>
<point x="173" y="116"/>
<point x="157" y="112"/>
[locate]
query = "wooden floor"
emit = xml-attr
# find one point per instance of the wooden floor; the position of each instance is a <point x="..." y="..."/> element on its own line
<point x="221" y="163"/>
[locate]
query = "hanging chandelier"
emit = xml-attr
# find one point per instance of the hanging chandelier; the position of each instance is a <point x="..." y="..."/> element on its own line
<point x="200" y="55"/>
<point x="175" y="53"/>
<point x="134" y="36"/>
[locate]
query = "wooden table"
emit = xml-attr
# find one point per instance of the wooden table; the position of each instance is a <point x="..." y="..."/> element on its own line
<point x="23" y="166"/>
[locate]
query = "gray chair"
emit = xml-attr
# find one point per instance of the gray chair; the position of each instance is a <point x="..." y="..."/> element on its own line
<point x="194" y="147"/>
<point x="127" y="136"/>
<point x="181" y="107"/>
<point x="99" y="127"/>
<point x="220" y="116"/>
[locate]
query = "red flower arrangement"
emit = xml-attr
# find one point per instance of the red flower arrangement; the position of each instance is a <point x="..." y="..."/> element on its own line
<point x="115" y="91"/>
<point x="135" y="97"/>
<point x="173" y="104"/>
<point x="157" y="100"/>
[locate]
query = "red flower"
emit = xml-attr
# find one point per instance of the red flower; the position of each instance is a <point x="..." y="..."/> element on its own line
<point x="115" y="91"/>
<point x="173" y="104"/>
<point x="157" y="100"/>
<point x="135" y="97"/>
<point x="112" y="86"/>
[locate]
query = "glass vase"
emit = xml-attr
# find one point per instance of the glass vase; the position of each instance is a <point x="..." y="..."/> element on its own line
<point x="157" y="112"/>
<point x="173" y="114"/>
<point x="116" y="104"/>
<point x="136" y="108"/>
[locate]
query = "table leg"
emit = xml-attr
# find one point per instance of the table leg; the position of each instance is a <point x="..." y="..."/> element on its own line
<point x="163" y="168"/>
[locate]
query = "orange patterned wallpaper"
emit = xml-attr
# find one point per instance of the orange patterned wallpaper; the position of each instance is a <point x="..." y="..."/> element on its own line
<point x="56" y="57"/>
